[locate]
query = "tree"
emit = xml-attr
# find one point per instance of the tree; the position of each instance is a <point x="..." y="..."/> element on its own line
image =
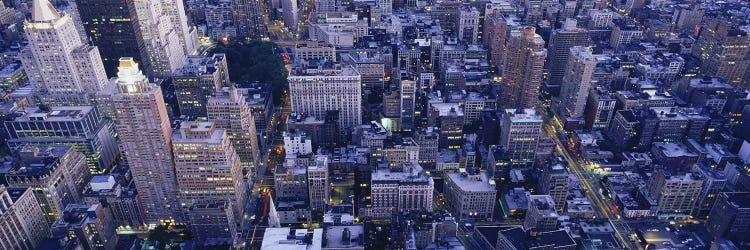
<point x="256" y="61"/>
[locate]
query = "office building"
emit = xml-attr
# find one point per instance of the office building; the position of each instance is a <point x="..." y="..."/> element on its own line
<point x="297" y="143"/>
<point x="560" y="45"/>
<point x="318" y="184"/>
<point x="82" y="127"/>
<point x="449" y="118"/>
<point x="248" y="19"/>
<point x="686" y="18"/>
<point x="57" y="176"/>
<point x="723" y="49"/>
<point x="229" y="110"/>
<point x="206" y="165"/>
<point x="554" y="182"/>
<point x="676" y="195"/>
<point x="22" y="222"/>
<point x="186" y="32"/>
<point x="577" y="81"/>
<point x="521" y="82"/>
<point x="600" y="108"/>
<point x="541" y="215"/>
<point x="326" y="6"/>
<point x="163" y="50"/>
<point x="62" y="68"/>
<point x="212" y="222"/>
<point x="730" y="216"/>
<point x="493" y="36"/>
<point x="85" y="226"/>
<point x="470" y="196"/>
<point x="290" y="14"/>
<point x="428" y="139"/>
<point x="290" y="182"/>
<point x="197" y="81"/>
<point x="468" y="25"/>
<point x="286" y="238"/>
<point x="112" y="26"/>
<point x="314" y="91"/>
<point x="714" y="183"/>
<point x="409" y="188"/>
<point x="521" y="131"/>
<point x="408" y="104"/>
<point x="117" y="193"/>
<point x="145" y="138"/>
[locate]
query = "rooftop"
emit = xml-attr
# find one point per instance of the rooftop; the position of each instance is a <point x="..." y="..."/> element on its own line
<point x="473" y="183"/>
<point x="343" y="237"/>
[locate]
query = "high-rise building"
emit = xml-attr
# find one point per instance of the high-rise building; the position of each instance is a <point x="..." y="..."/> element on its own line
<point x="229" y="110"/>
<point x="145" y="138"/>
<point x="197" y="81"/>
<point x="577" y="81"/>
<point x="82" y="127"/>
<point x="314" y="91"/>
<point x="723" y="49"/>
<point x="676" y="195"/>
<point x="248" y="19"/>
<point x="119" y="196"/>
<point x="449" y="119"/>
<point x="22" y="223"/>
<point x="600" y="108"/>
<point x="541" y="215"/>
<point x="686" y="19"/>
<point x="730" y="216"/>
<point x="393" y="191"/>
<point x="427" y="139"/>
<point x="291" y="14"/>
<point x="468" y="24"/>
<point x="206" y="165"/>
<point x="493" y="36"/>
<point x="290" y="182"/>
<point x="470" y="197"/>
<point x="561" y="42"/>
<point x="297" y="143"/>
<point x="86" y="226"/>
<point x="62" y="68"/>
<point x="162" y="52"/>
<point x="554" y="182"/>
<point x="408" y="104"/>
<point x="57" y="176"/>
<point x="7" y="14"/>
<point x="714" y="182"/>
<point x="318" y="183"/>
<point x="111" y="26"/>
<point x="187" y="34"/>
<point x="522" y="79"/>
<point x="212" y="221"/>
<point x="520" y="133"/>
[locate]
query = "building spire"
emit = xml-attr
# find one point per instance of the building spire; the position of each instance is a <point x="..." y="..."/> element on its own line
<point x="42" y="10"/>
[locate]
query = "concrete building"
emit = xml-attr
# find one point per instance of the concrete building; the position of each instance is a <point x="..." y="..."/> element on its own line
<point x="493" y="36"/>
<point x="57" y="176"/>
<point x="318" y="184"/>
<point x="145" y="138"/>
<point x="229" y="110"/>
<point x="164" y="48"/>
<point x="686" y="18"/>
<point x="470" y="197"/>
<point x="82" y="127"/>
<point x="290" y="182"/>
<point x="335" y="87"/>
<point x="521" y="82"/>
<point x="197" y="80"/>
<point x="290" y="14"/>
<point x="427" y="139"/>
<point x="285" y="238"/>
<point x="206" y="165"/>
<point x="730" y="216"/>
<point x="723" y="51"/>
<point x="85" y="226"/>
<point x="676" y="195"/>
<point x="554" y="182"/>
<point x="248" y="19"/>
<point x="561" y="43"/>
<point x="63" y="69"/>
<point x="449" y="118"/>
<point x="408" y="105"/>
<point x="120" y="199"/>
<point x="314" y="50"/>
<point x="468" y="24"/>
<point x="22" y="222"/>
<point x="520" y="133"/>
<point x="541" y="215"/>
<point x="400" y="190"/>
<point x="577" y="81"/>
<point x="297" y="143"/>
<point x="600" y="108"/>
<point x="212" y="222"/>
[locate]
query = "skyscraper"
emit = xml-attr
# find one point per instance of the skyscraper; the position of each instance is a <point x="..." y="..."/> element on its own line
<point x="493" y="37"/>
<point x="206" y="165"/>
<point x="559" y="48"/>
<point x="186" y="33"/>
<point x="145" y="136"/>
<point x="197" y="81"/>
<point x="62" y="68"/>
<point x="676" y="195"/>
<point x="408" y="98"/>
<point x="318" y="183"/>
<point x="228" y="109"/>
<point x="723" y="50"/>
<point x="291" y="14"/>
<point x="730" y="216"/>
<point x="577" y="81"/>
<point x="325" y="6"/>
<point x="468" y="24"/>
<point x="247" y="18"/>
<point x="111" y="25"/>
<point x="22" y="221"/>
<point x="522" y="77"/>
<point x="520" y="133"/>
<point x="162" y="52"/>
